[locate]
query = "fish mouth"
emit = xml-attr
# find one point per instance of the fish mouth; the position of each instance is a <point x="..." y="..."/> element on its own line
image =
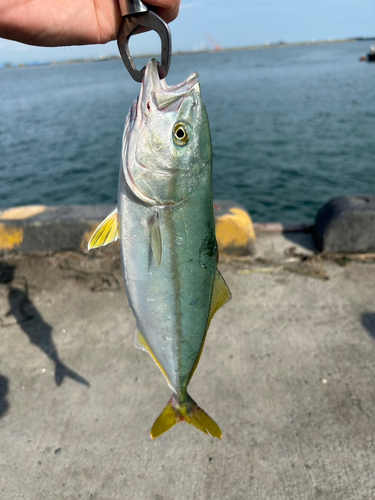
<point x="155" y="90"/>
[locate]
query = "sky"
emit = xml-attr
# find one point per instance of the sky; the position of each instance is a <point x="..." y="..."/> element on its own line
<point x="229" y="24"/>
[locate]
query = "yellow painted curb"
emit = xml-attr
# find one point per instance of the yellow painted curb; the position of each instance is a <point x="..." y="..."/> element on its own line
<point x="235" y="233"/>
<point x="11" y="237"/>
<point x="18" y="213"/>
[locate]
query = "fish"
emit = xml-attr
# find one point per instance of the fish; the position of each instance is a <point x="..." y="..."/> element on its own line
<point x="165" y="222"/>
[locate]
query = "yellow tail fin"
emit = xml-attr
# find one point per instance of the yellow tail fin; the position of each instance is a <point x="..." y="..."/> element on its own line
<point x="188" y="411"/>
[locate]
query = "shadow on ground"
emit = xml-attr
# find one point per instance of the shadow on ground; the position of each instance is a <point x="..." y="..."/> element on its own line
<point x="368" y="321"/>
<point x="4" y="405"/>
<point x="32" y="323"/>
<point x="6" y="276"/>
<point x="302" y="239"/>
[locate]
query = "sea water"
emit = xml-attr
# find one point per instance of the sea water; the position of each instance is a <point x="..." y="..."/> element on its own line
<point x="291" y="128"/>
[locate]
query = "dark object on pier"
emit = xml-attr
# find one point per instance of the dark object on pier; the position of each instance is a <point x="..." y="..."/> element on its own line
<point x="371" y="54"/>
<point x="346" y="224"/>
<point x="370" y="57"/>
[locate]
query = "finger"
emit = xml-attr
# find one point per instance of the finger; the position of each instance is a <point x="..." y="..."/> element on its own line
<point x="166" y="9"/>
<point x="165" y="4"/>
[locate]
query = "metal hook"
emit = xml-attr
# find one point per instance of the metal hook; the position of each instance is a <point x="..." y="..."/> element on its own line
<point x="136" y="15"/>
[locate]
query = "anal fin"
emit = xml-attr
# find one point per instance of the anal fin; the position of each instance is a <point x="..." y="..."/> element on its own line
<point x="141" y="343"/>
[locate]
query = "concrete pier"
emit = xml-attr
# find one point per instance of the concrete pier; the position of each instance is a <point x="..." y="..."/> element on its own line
<point x="288" y="373"/>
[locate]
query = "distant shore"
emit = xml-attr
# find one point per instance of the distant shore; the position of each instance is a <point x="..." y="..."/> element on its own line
<point x="266" y="45"/>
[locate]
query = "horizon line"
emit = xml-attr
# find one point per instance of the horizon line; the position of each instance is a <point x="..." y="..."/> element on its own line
<point x="265" y="45"/>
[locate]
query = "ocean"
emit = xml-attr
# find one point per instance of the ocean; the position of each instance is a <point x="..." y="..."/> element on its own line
<point x="291" y="128"/>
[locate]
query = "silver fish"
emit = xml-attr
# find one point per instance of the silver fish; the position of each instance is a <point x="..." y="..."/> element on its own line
<point x="166" y="227"/>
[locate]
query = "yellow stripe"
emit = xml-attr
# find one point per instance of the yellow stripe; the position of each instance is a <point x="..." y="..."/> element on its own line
<point x="10" y="237"/>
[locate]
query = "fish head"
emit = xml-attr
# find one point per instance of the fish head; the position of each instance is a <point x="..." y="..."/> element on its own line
<point x="167" y="142"/>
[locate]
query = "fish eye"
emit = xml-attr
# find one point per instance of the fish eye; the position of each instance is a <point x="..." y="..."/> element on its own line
<point x="180" y="134"/>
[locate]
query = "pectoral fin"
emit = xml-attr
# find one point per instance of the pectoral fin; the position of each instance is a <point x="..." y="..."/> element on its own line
<point x="155" y="237"/>
<point x="106" y="232"/>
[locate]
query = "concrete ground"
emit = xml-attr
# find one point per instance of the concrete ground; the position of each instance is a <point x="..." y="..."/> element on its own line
<point x="288" y="372"/>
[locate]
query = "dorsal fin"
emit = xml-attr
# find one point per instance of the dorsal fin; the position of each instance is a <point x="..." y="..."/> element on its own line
<point x="220" y="296"/>
<point x="106" y="232"/>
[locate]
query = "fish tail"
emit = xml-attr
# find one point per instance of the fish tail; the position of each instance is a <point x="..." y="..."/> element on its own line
<point x="188" y="411"/>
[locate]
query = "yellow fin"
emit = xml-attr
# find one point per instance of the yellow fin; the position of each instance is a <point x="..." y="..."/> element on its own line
<point x="155" y="237"/>
<point x="106" y="232"/>
<point x="188" y="411"/>
<point x="141" y="343"/>
<point x="167" y="419"/>
<point x="220" y="296"/>
<point x="202" y="421"/>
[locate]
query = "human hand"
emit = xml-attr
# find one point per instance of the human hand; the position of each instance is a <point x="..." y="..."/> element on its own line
<point x="53" y="23"/>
